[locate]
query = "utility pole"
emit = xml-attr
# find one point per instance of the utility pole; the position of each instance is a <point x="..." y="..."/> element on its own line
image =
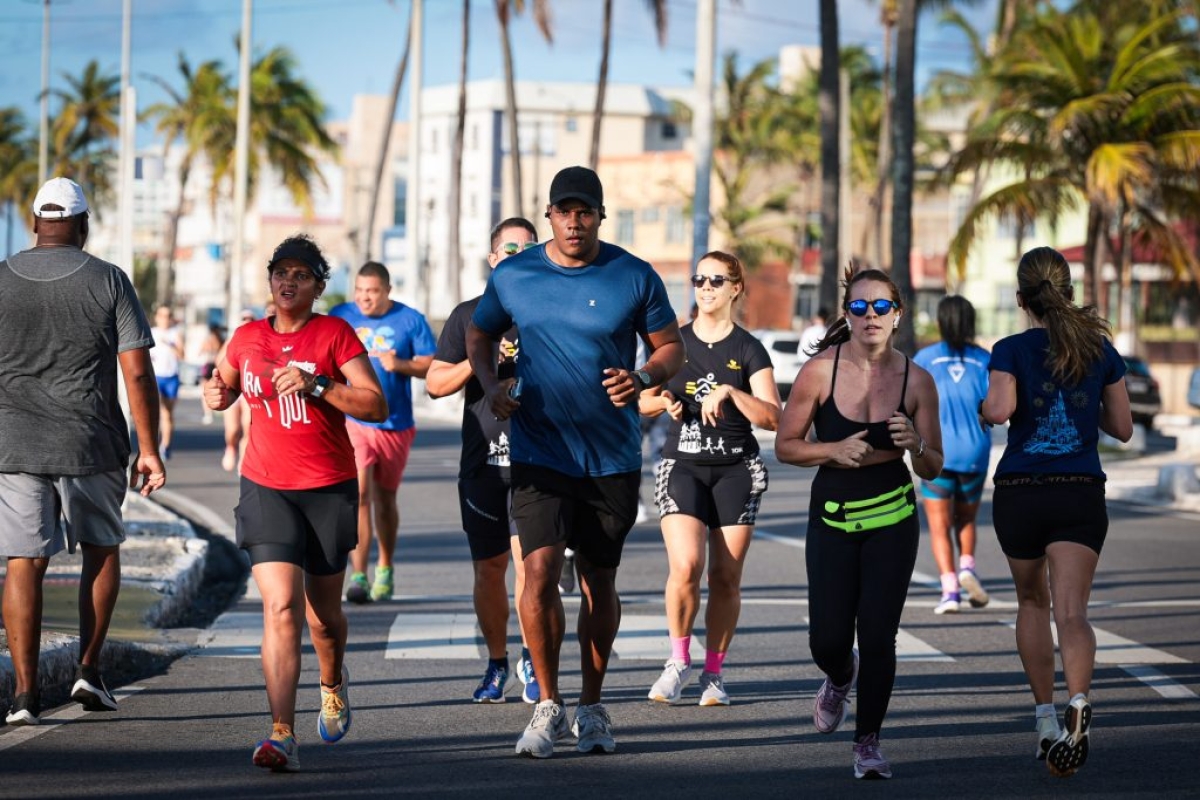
<point x="412" y="214"/>
<point x="44" y="130"/>
<point x="702" y="124"/>
<point x="241" y="167"/>
<point x="128" y="130"/>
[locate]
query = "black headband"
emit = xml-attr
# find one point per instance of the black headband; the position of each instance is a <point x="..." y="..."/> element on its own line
<point x="303" y="254"/>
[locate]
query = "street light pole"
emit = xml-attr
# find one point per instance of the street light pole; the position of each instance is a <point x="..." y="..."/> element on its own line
<point x="702" y="124"/>
<point x="412" y="200"/>
<point x="44" y="130"/>
<point x="241" y="168"/>
<point x="127" y="129"/>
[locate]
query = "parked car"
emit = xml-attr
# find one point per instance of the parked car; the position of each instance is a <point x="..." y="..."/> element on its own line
<point x="1145" y="401"/>
<point x="786" y="358"/>
<point x="1193" y="395"/>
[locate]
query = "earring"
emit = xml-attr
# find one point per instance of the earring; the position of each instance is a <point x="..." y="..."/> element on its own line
<point x="895" y="323"/>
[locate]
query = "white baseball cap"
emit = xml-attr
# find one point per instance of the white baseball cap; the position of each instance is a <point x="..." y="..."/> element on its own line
<point x="62" y="192"/>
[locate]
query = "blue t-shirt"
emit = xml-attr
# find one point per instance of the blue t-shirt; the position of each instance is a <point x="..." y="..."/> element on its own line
<point x="962" y="382"/>
<point x="404" y="330"/>
<point x="1054" y="428"/>
<point x="575" y="322"/>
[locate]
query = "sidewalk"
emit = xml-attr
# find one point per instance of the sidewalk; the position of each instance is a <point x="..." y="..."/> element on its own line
<point x="163" y="564"/>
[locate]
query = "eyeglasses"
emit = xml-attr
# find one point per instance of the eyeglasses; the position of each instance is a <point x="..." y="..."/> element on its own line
<point x="299" y="276"/>
<point x="715" y="281"/>
<point x="859" y="307"/>
<point x="512" y="248"/>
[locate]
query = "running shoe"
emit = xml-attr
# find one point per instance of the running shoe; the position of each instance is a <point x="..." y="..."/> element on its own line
<point x="869" y="762"/>
<point x="549" y="725"/>
<point x="90" y="692"/>
<point x="832" y="704"/>
<point x="593" y="728"/>
<point x="491" y="688"/>
<point x="278" y="752"/>
<point x="669" y="686"/>
<point x="334" y="720"/>
<point x="25" y="710"/>
<point x="358" y="591"/>
<point x="532" y="693"/>
<point x="712" y="690"/>
<point x="976" y="595"/>
<point x="566" y="581"/>
<point x="1047" y="731"/>
<point x="383" y="588"/>
<point x="1070" y="751"/>
<point x="949" y="604"/>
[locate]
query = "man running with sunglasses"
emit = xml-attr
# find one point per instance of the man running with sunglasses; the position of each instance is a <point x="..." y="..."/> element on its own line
<point x="400" y="344"/>
<point x="580" y="305"/>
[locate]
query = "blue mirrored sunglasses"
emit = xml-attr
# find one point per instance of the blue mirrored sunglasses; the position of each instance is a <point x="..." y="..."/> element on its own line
<point x="859" y="307"/>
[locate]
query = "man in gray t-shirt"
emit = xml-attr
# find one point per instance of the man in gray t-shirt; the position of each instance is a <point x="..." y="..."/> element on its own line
<point x="68" y="319"/>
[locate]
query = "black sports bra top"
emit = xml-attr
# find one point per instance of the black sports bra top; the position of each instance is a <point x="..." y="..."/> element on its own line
<point x="833" y="427"/>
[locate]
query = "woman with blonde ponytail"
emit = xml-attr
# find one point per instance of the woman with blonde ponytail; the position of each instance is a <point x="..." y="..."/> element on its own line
<point x="1058" y="384"/>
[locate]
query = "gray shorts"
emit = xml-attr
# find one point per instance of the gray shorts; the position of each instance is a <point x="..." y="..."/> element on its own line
<point x="42" y="514"/>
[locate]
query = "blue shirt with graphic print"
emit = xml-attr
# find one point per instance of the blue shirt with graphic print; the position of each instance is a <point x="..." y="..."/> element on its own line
<point x="404" y="330"/>
<point x="1055" y="428"/>
<point x="961" y="378"/>
<point x="575" y="322"/>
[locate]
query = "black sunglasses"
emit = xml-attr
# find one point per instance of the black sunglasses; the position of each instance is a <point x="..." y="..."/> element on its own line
<point x="512" y="248"/>
<point x="715" y="281"/>
<point x="859" y="307"/>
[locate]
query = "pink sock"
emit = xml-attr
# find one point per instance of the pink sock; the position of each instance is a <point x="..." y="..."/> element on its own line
<point x="966" y="562"/>
<point x="949" y="583"/>
<point x="681" y="649"/>
<point x="713" y="661"/>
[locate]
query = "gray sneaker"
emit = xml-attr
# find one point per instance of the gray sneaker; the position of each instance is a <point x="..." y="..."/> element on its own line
<point x="832" y="705"/>
<point x="549" y="725"/>
<point x="669" y="686"/>
<point x="594" y="729"/>
<point x="1047" y="731"/>
<point x="712" y="690"/>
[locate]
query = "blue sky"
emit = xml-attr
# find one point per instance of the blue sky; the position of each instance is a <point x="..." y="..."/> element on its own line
<point x="346" y="47"/>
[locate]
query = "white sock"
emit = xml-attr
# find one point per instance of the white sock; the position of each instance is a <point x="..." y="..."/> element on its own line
<point x="1044" y="710"/>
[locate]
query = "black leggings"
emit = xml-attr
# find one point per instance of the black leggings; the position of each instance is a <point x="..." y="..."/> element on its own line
<point x="859" y="578"/>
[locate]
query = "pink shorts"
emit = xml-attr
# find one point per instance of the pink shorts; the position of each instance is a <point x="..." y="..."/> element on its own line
<point x="385" y="451"/>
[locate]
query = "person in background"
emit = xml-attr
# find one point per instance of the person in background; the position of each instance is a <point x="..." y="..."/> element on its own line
<point x="812" y="334"/>
<point x="400" y="344"/>
<point x="951" y="500"/>
<point x="210" y="348"/>
<point x="580" y="305"/>
<point x="710" y="480"/>
<point x="867" y="405"/>
<point x="302" y="374"/>
<point x="166" y="356"/>
<point x="1058" y="385"/>
<point x="69" y="320"/>
<point x="236" y="418"/>
<point x="484" y="479"/>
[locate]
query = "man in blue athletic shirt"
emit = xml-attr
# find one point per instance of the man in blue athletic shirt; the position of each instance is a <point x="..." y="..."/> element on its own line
<point x="581" y="305"/>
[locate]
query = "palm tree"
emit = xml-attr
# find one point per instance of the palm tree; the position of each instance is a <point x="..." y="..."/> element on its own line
<point x="83" y="131"/>
<point x="18" y="167"/>
<point x="541" y="15"/>
<point x="455" y="199"/>
<point x="659" y="9"/>
<point x="198" y="116"/>
<point x="831" y="152"/>
<point x="385" y="140"/>
<point x="904" y="119"/>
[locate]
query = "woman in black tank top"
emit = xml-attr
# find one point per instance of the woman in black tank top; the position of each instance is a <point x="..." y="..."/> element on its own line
<point x="857" y="406"/>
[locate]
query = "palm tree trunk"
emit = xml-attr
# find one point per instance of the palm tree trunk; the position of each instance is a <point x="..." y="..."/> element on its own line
<point x="1124" y="265"/>
<point x="377" y="184"/>
<point x="1091" y="247"/>
<point x="165" y="288"/>
<point x="601" y="84"/>
<point x="510" y="93"/>
<point x="879" y="196"/>
<point x="904" y="119"/>
<point x="830" y="109"/>
<point x="454" y="258"/>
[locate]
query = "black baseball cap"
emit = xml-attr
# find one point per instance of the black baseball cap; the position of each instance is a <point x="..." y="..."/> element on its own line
<point x="577" y="183"/>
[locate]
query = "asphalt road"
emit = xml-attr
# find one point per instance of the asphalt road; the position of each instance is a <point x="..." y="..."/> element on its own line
<point x="960" y="723"/>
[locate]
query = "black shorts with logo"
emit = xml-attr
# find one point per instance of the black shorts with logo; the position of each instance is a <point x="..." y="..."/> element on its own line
<point x="485" y="505"/>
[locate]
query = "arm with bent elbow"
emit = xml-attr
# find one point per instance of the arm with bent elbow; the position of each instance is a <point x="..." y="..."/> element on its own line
<point x="1116" y="419"/>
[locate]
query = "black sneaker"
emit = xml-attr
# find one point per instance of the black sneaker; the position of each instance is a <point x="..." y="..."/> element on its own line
<point x="25" y="710"/>
<point x="90" y="692"/>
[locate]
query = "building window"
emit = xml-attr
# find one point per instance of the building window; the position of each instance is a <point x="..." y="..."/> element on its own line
<point x="669" y="130"/>
<point x="650" y="215"/>
<point x="475" y="136"/>
<point x="676" y="225"/>
<point x="571" y="124"/>
<point x="433" y="141"/>
<point x="624" y="227"/>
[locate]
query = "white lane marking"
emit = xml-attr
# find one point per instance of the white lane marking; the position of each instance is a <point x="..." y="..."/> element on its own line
<point x="790" y="541"/>
<point x="19" y="735"/>
<point x="645" y="638"/>
<point x="1165" y="686"/>
<point x="234" y="634"/>
<point x="1114" y="649"/>
<point x="451" y="636"/>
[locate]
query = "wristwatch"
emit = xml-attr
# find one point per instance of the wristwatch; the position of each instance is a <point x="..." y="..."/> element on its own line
<point x="642" y="377"/>
<point x="321" y="384"/>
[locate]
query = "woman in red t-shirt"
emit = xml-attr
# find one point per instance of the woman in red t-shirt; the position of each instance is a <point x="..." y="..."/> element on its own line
<point x="301" y="373"/>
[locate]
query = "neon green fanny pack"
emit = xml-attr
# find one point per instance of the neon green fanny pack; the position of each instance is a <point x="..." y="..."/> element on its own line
<point x="874" y="512"/>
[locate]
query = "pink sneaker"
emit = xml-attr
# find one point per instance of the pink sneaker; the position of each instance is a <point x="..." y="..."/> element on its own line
<point x="832" y="705"/>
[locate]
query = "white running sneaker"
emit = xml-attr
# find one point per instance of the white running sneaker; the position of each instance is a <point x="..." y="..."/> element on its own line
<point x="1048" y="732"/>
<point x="949" y="604"/>
<point x="869" y="762"/>
<point x="976" y="595"/>
<point x="712" y="690"/>
<point x="549" y="725"/>
<point x="1070" y="751"/>
<point x="669" y="686"/>
<point x="832" y="704"/>
<point x="593" y="727"/>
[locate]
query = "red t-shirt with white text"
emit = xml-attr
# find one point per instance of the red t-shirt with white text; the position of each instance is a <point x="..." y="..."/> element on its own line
<point x="296" y="442"/>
